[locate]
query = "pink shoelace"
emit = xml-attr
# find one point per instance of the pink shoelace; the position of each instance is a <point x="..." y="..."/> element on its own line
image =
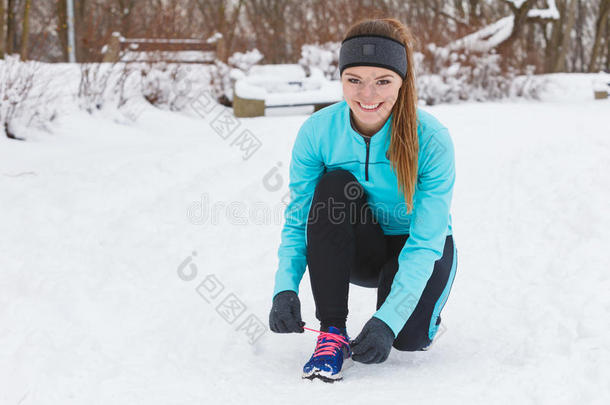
<point x="334" y="342"/>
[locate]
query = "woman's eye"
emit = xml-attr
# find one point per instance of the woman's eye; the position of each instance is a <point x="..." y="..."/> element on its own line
<point x="356" y="81"/>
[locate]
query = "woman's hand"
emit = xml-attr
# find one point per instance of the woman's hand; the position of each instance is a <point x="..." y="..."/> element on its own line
<point x="374" y="343"/>
<point x="285" y="315"/>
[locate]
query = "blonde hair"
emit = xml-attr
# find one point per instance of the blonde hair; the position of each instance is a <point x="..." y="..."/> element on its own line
<point x="404" y="143"/>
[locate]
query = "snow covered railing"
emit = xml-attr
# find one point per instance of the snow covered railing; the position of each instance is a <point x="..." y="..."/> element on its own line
<point x="171" y="50"/>
<point x="283" y="85"/>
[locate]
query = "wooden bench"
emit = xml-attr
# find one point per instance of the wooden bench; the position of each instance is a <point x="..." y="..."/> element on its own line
<point x="288" y="88"/>
<point x="121" y="49"/>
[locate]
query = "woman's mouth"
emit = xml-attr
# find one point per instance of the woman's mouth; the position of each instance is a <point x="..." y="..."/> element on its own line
<point x="369" y="107"/>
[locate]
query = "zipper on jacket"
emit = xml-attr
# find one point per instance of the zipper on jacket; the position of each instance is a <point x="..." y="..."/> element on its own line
<point x="366" y="164"/>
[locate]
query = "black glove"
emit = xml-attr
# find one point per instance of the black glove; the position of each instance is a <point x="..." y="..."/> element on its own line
<point x="285" y="315"/>
<point x="374" y="342"/>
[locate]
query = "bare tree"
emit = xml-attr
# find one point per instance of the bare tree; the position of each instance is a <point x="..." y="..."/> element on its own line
<point x="601" y="29"/>
<point x="2" y="11"/>
<point x="222" y="16"/>
<point x="519" y="20"/>
<point x="126" y="8"/>
<point x="25" y="32"/>
<point x="607" y="46"/>
<point x="42" y="42"/>
<point x="62" y="27"/>
<point x="269" y="20"/>
<point x="578" y="53"/>
<point x="11" y="26"/>
<point x="568" y="17"/>
<point x="557" y="45"/>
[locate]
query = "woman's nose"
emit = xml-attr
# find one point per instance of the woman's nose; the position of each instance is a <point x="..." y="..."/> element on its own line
<point x="368" y="92"/>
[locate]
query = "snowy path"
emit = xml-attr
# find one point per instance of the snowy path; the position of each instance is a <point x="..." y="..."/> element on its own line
<point x="97" y="218"/>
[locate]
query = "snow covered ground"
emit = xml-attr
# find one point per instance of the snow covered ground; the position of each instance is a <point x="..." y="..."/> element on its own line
<point x="103" y="301"/>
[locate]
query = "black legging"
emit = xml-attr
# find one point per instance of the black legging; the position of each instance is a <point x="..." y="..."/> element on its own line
<point x="346" y="244"/>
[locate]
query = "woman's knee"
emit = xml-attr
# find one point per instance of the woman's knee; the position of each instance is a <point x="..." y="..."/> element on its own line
<point x="334" y="197"/>
<point x="334" y="183"/>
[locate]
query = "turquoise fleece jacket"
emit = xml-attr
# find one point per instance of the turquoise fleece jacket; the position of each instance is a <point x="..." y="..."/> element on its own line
<point x="326" y="141"/>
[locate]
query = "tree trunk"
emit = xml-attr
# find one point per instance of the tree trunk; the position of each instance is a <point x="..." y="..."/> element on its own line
<point x="10" y="27"/>
<point x="600" y="28"/>
<point x="229" y="43"/>
<point x="607" y="46"/>
<point x="82" y="37"/>
<point x="530" y="45"/>
<point x="569" y="18"/>
<point x="2" y="38"/>
<point x="62" y="27"/>
<point x="520" y="16"/>
<point x="552" y="47"/>
<point x="126" y="8"/>
<point x="577" y="55"/>
<point x="459" y="8"/>
<point x="25" y="33"/>
<point x="473" y="16"/>
<point x="472" y="11"/>
<point x="222" y="16"/>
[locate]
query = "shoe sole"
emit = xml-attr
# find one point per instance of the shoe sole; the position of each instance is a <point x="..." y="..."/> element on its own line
<point x="322" y="375"/>
<point x="317" y="376"/>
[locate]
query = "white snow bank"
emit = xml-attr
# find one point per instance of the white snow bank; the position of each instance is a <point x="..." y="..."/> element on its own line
<point x="574" y="87"/>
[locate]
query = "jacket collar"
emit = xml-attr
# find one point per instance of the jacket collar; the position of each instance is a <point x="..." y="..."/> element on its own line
<point x="378" y="137"/>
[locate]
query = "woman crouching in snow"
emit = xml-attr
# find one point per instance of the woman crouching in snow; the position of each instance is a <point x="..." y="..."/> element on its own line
<point x="371" y="181"/>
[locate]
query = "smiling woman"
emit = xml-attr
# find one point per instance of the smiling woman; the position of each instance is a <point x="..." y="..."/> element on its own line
<point x="371" y="182"/>
<point x="371" y="93"/>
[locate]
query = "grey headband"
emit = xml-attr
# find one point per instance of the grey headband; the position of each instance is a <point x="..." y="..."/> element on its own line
<point x="373" y="50"/>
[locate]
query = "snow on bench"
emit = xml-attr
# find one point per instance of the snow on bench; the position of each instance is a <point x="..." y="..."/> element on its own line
<point x="282" y="85"/>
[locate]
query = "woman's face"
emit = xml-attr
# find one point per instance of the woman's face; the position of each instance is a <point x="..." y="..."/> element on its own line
<point x="370" y="92"/>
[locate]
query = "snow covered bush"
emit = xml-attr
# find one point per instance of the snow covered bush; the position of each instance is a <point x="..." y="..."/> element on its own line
<point x="445" y="76"/>
<point x="244" y="61"/>
<point x="529" y="85"/>
<point x="221" y="83"/>
<point x="223" y="75"/>
<point x="106" y="84"/>
<point x="27" y="97"/>
<point x="125" y="86"/>
<point x="324" y="57"/>
<point x="172" y="86"/>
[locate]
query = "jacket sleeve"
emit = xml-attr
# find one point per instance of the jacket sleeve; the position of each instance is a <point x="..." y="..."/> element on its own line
<point x="427" y="233"/>
<point x="305" y="170"/>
